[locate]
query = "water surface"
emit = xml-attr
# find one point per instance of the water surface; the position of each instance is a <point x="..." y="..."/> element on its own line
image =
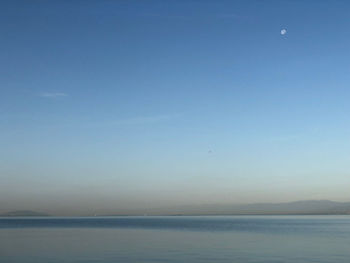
<point x="176" y="239"/>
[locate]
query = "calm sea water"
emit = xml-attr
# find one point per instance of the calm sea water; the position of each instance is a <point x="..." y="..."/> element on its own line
<point x="238" y="239"/>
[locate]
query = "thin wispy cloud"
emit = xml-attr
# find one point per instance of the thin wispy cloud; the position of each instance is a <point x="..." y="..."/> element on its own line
<point x="285" y="138"/>
<point x="141" y="120"/>
<point x="193" y="17"/>
<point x="169" y="16"/>
<point x="53" y="94"/>
<point x="126" y="122"/>
<point x="144" y="120"/>
<point x="228" y="15"/>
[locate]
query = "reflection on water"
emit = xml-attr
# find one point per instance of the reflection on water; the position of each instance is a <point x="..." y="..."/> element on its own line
<point x="176" y="239"/>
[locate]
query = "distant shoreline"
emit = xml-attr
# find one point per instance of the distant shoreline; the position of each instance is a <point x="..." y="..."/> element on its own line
<point x="307" y="207"/>
<point x="165" y="215"/>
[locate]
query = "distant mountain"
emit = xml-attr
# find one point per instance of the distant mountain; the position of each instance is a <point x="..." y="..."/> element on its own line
<point x="308" y="207"/>
<point x="24" y="213"/>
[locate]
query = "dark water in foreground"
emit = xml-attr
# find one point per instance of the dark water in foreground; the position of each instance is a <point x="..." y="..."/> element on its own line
<point x="241" y="239"/>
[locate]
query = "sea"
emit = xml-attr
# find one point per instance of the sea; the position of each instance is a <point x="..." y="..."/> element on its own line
<point x="238" y="239"/>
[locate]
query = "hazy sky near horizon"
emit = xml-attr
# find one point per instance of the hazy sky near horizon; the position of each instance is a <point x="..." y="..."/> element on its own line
<point x="109" y="105"/>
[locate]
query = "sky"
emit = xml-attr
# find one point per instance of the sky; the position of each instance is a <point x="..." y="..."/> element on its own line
<point x="107" y="106"/>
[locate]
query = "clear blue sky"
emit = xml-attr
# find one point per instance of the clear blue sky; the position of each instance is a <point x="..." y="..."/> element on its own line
<point x="107" y="105"/>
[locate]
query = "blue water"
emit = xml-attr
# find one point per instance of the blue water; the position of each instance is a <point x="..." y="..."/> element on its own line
<point x="176" y="239"/>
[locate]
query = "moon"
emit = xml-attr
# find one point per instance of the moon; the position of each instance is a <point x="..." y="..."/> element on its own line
<point x="283" y="31"/>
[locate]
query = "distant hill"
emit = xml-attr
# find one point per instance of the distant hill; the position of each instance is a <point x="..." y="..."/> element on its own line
<point x="24" y="213"/>
<point x="298" y="207"/>
<point x="307" y="207"/>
